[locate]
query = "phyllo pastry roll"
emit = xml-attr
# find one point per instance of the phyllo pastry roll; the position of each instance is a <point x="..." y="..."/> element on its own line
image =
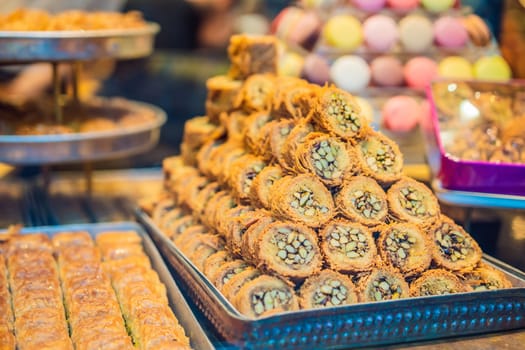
<point x="250" y="239"/>
<point x="204" y="156"/>
<point x="290" y="250"/>
<point x="212" y="205"/>
<point x="265" y="295"/>
<point x="234" y="284"/>
<point x="326" y="157"/>
<point x="242" y="173"/>
<point x="412" y="201"/>
<point x="262" y="185"/>
<point x="200" y="247"/>
<point x="7" y="337"/>
<point x="285" y="103"/>
<point x="115" y="245"/>
<point x="252" y="55"/>
<point x="303" y="199"/>
<point x="198" y="130"/>
<point x="226" y="162"/>
<point x="169" y="221"/>
<point x="231" y="218"/>
<point x="254" y="135"/>
<point x="235" y="123"/>
<point x="362" y="200"/>
<point x="203" y="197"/>
<point x="161" y="208"/>
<point x="188" y="233"/>
<point x="217" y="156"/>
<point x="179" y="226"/>
<point x="485" y="277"/>
<point x="256" y="93"/>
<point x="222" y="91"/>
<point x="348" y="246"/>
<point x="227" y="270"/>
<point x="279" y="131"/>
<point x="293" y="141"/>
<point x="238" y="227"/>
<point x="215" y="261"/>
<point x="188" y="195"/>
<point x="36" y="296"/>
<point x="382" y="283"/>
<point x="223" y="205"/>
<point x="325" y="289"/>
<point x="338" y="113"/>
<point x="405" y="247"/>
<point x="380" y="158"/>
<point x="452" y="247"/>
<point x="437" y="282"/>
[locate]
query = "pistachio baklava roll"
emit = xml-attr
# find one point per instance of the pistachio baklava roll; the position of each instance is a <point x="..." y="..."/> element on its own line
<point x="452" y="247"/>
<point x="7" y="337"/>
<point x="303" y="199"/>
<point x="231" y="218"/>
<point x="231" y="288"/>
<point x="226" y="164"/>
<point x="362" y="200"/>
<point x="289" y="249"/>
<point x="198" y="130"/>
<point x="266" y="295"/>
<point x="249" y="242"/>
<point x="256" y="93"/>
<point x="285" y="105"/>
<point x="338" y="113"/>
<point x="203" y="197"/>
<point x="412" y="201"/>
<point x="211" y="207"/>
<point x="161" y="208"/>
<point x="239" y="226"/>
<point x="254" y="135"/>
<point x="179" y="226"/>
<point x="347" y="246"/>
<point x="168" y="219"/>
<point x="485" y="277"/>
<point x="325" y="289"/>
<point x="262" y="186"/>
<point x="224" y="204"/>
<point x="222" y="92"/>
<point x="242" y="173"/>
<point x="204" y="156"/>
<point x="405" y="247"/>
<point x="200" y="247"/>
<point x="437" y="282"/>
<point x="326" y="157"/>
<point x="215" y="261"/>
<point x="36" y="296"/>
<point x="380" y="158"/>
<point x="188" y="194"/>
<point x="383" y="283"/>
<point x="227" y="270"/>
<point x="218" y="155"/>
<point x="279" y="131"/>
<point x="293" y="141"/>
<point x="235" y="123"/>
<point x="188" y="233"/>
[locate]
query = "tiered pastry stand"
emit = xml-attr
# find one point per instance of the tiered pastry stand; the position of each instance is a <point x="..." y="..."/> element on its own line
<point x="71" y="49"/>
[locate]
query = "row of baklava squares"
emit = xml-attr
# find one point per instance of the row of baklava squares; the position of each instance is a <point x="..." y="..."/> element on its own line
<point x="66" y="292"/>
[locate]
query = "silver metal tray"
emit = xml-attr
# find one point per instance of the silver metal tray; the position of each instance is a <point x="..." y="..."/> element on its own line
<point x="34" y="46"/>
<point x="194" y="331"/>
<point x="365" y="324"/>
<point x="78" y="147"/>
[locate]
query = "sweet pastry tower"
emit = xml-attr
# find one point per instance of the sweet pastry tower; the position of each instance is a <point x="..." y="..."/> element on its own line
<point x="286" y="198"/>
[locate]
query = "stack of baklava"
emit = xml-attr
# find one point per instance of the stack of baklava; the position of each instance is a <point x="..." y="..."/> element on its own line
<point x="286" y="198"/>
<point x="66" y="292"/>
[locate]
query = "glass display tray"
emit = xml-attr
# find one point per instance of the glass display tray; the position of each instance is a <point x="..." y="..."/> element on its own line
<point x="78" y="45"/>
<point x="88" y="146"/>
<point x="351" y="326"/>
<point x="181" y="309"/>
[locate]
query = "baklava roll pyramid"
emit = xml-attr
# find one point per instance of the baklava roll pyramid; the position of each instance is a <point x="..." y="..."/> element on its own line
<point x="310" y="201"/>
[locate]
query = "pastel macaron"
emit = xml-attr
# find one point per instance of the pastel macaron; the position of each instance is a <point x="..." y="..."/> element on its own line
<point x="316" y="69"/>
<point x="437" y="5"/>
<point x="343" y="32"/>
<point x="387" y="71"/>
<point x="403" y="5"/>
<point x="350" y="73"/>
<point x="369" y="5"/>
<point x="492" y="68"/>
<point x="380" y="32"/>
<point x="450" y="33"/>
<point x="400" y="113"/>
<point x="420" y="71"/>
<point x="455" y="67"/>
<point x="297" y="26"/>
<point x="416" y="33"/>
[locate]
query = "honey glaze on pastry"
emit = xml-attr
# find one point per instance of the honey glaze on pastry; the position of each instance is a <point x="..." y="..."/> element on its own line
<point x="303" y="199"/>
<point x="327" y="288"/>
<point x="485" y="277"/>
<point x="380" y="158"/>
<point x="412" y="201"/>
<point x="361" y="199"/>
<point x="326" y="157"/>
<point x="348" y="246"/>
<point x="338" y="113"/>
<point x="290" y="250"/>
<point x="453" y="248"/>
<point x="382" y="283"/>
<point x="437" y="282"/>
<point x="265" y="295"/>
<point x="405" y="247"/>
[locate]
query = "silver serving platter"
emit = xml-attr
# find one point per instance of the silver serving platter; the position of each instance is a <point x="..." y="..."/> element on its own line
<point x="178" y="304"/>
<point x="78" y="45"/>
<point x="351" y="326"/>
<point x="80" y="147"/>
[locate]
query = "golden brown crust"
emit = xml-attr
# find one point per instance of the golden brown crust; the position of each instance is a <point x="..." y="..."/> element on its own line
<point x="262" y="186"/>
<point x="255" y="138"/>
<point x="293" y="141"/>
<point x="200" y="247"/>
<point x="279" y="132"/>
<point x="485" y="277"/>
<point x="233" y="285"/>
<point x="383" y="283"/>
<point x="242" y="172"/>
<point x="250" y="239"/>
<point x="437" y="282"/>
<point x="256" y="93"/>
<point x="222" y="91"/>
<point x="252" y="55"/>
<point x="325" y="289"/>
<point x="214" y="262"/>
<point x="226" y="271"/>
